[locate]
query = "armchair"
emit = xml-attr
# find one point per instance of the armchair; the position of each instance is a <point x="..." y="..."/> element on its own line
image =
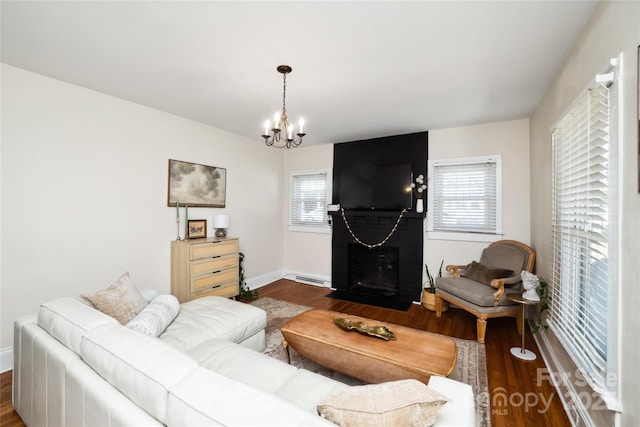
<point x="482" y="288"/>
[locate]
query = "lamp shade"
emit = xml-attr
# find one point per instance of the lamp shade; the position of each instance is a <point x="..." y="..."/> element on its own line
<point x="221" y="221"/>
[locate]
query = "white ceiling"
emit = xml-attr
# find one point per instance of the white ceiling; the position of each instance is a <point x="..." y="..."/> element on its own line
<point x="360" y="69"/>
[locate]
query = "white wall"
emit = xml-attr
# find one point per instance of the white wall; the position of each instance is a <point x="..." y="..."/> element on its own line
<point x="614" y="29"/>
<point x="509" y="139"/>
<point x="84" y="193"/>
<point x="306" y="253"/>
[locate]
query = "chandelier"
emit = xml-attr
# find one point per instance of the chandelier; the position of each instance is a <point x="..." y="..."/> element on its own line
<point x="282" y="132"/>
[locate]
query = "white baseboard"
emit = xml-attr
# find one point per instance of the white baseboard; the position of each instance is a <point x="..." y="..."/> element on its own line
<point x="298" y="276"/>
<point x="264" y="279"/>
<point x="563" y="379"/>
<point x="6" y="359"/>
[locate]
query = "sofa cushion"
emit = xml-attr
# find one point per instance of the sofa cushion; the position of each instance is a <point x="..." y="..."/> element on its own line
<point x="243" y="364"/>
<point x="205" y="398"/>
<point x="303" y="388"/>
<point x="307" y="389"/>
<point x="68" y="319"/>
<point x="395" y="403"/>
<point x="121" y="300"/>
<point x="213" y="317"/>
<point x="483" y="274"/>
<point x="156" y="316"/>
<point x="140" y="366"/>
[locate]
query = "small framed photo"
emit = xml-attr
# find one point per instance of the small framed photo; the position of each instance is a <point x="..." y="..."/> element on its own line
<point x="196" y="229"/>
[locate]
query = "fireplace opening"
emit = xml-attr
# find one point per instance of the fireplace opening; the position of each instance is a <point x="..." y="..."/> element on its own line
<point x="373" y="271"/>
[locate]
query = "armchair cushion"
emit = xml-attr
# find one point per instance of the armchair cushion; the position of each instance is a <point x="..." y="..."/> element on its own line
<point x="471" y="291"/>
<point x="483" y="274"/>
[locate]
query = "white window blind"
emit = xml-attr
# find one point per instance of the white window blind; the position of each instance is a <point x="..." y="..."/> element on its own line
<point x="583" y="198"/>
<point x="465" y="196"/>
<point x="309" y="195"/>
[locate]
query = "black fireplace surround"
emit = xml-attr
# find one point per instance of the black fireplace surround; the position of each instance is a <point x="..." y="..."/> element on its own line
<point x="388" y="275"/>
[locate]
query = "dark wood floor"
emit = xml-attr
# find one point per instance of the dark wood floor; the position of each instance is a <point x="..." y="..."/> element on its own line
<point x="517" y="397"/>
<point x="8" y="417"/>
<point x="512" y="382"/>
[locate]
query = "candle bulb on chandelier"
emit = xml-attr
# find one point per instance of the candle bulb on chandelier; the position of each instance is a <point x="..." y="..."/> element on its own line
<point x="266" y="128"/>
<point x="276" y="121"/>
<point x="301" y="122"/>
<point x="290" y="132"/>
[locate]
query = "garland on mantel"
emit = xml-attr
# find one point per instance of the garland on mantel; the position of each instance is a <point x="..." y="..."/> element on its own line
<point x="393" y="230"/>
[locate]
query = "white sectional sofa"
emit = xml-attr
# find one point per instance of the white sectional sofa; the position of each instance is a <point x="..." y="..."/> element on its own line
<point x="75" y="366"/>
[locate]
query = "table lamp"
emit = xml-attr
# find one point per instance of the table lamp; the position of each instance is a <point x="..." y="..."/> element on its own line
<point x="221" y="223"/>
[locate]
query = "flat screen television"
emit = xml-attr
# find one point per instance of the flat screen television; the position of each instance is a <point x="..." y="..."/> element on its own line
<point x="379" y="187"/>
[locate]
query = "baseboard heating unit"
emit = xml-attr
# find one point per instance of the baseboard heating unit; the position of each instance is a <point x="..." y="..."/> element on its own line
<point x="309" y="280"/>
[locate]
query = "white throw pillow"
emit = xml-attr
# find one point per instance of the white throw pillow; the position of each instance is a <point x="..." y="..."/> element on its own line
<point x="156" y="316"/>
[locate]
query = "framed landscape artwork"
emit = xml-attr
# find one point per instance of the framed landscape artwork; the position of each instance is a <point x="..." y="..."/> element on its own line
<point x="191" y="184"/>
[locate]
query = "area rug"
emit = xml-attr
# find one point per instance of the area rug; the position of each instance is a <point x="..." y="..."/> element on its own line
<point x="471" y="366"/>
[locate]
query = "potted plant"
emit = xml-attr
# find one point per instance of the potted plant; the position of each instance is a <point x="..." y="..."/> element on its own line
<point x="429" y="291"/>
<point x="246" y="294"/>
<point x="536" y="291"/>
<point x="543" y="305"/>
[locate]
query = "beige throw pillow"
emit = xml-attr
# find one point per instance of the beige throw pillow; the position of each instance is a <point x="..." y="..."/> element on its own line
<point x="395" y="403"/>
<point x="121" y="300"/>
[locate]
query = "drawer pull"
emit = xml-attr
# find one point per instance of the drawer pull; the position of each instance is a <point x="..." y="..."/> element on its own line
<point x="216" y="272"/>
<point x="217" y="256"/>
<point x="216" y="286"/>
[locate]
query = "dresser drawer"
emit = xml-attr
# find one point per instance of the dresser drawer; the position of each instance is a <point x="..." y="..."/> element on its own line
<point x="228" y="290"/>
<point x="214" y="280"/>
<point x="213" y="249"/>
<point x="213" y="265"/>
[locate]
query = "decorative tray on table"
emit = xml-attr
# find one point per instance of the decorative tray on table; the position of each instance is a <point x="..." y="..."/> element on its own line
<point x="379" y="331"/>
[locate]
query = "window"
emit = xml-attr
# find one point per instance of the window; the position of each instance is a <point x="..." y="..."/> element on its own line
<point x="309" y="196"/>
<point x="584" y="228"/>
<point x="465" y="198"/>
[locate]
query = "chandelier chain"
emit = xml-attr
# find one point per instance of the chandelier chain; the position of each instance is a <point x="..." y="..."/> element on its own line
<point x="376" y="245"/>
<point x="284" y="94"/>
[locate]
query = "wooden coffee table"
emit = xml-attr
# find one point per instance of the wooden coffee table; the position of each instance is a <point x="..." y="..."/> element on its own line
<point x="415" y="354"/>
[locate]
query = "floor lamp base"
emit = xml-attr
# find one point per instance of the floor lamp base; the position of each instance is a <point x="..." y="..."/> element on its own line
<point x="523" y="353"/>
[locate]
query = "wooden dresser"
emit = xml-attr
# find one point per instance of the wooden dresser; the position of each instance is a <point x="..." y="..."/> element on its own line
<point x="204" y="267"/>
